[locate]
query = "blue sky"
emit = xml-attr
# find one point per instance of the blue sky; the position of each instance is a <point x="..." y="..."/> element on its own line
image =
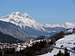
<point x="44" y="11"/>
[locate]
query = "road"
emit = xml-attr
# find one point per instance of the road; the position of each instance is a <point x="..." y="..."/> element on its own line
<point x="62" y="49"/>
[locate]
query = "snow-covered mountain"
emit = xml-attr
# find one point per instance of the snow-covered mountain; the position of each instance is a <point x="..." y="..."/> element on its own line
<point x="22" y="20"/>
<point x="22" y="26"/>
<point x="65" y="25"/>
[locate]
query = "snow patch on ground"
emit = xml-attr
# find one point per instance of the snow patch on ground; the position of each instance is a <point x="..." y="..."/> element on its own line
<point x="67" y="41"/>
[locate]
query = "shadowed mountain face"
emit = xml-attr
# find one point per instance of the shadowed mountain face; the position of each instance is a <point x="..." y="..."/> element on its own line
<point x="22" y="26"/>
<point x="4" y="38"/>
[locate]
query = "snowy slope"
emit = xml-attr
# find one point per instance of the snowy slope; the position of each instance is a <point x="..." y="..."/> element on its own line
<point x="68" y="41"/>
<point x="47" y="54"/>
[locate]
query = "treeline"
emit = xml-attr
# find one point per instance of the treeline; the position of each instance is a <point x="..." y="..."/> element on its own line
<point x="66" y="53"/>
<point x="37" y="48"/>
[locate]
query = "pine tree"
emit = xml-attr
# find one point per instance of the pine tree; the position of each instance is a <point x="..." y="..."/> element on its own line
<point x="66" y="53"/>
<point x="59" y="54"/>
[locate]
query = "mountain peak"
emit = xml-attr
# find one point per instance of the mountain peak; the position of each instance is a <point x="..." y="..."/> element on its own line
<point x="22" y="20"/>
<point x="70" y="24"/>
<point x="19" y="15"/>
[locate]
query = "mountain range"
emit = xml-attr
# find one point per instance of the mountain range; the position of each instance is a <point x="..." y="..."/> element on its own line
<point x="22" y="26"/>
